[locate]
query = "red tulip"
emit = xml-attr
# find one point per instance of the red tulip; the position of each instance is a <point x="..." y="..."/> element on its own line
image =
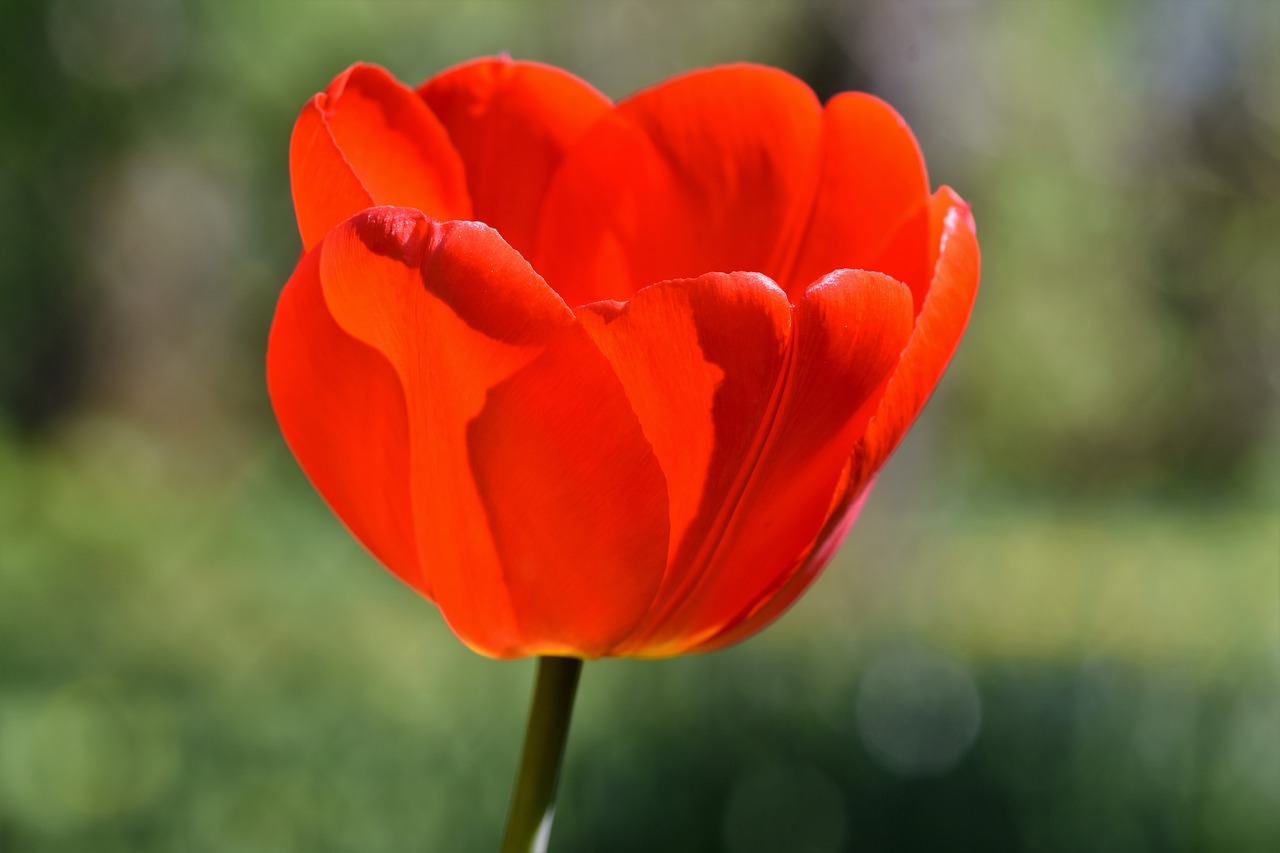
<point x="608" y="379"/>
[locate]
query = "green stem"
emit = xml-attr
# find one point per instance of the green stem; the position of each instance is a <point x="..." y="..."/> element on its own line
<point x="533" y="805"/>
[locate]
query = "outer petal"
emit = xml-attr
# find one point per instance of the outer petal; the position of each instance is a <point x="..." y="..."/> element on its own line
<point x="940" y="323"/>
<point x="773" y="603"/>
<point x="512" y="123"/>
<point x="869" y="212"/>
<point x="848" y="333"/>
<point x="712" y="171"/>
<point x="343" y="415"/>
<point x="369" y="140"/>
<point x="575" y="498"/>
<point x="512" y="414"/>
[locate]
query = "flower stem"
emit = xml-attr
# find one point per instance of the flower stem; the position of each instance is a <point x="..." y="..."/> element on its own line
<point x="533" y="804"/>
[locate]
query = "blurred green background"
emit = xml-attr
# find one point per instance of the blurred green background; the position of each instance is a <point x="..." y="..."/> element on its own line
<point x="1055" y="628"/>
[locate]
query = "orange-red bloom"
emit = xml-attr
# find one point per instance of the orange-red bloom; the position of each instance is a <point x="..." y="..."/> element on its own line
<point x="608" y="379"/>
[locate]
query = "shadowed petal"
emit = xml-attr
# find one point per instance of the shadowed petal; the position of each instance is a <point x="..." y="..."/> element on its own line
<point x="700" y="361"/>
<point x="511" y="122"/>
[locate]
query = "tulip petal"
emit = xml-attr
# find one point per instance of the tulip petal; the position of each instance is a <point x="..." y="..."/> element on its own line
<point x="941" y="322"/>
<point x="512" y="413"/>
<point x="848" y="332"/>
<point x="870" y="209"/>
<point x="342" y="413"/>
<point x="407" y="287"/>
<point x="793" y="583"/>
<point x="326" y="190"/>
<point x="512" y="123"/>
<point x="700" y="361"/>
<point x="714" y="171"/>
<point x="576" y="500"/>
<point x="369" y="140"/>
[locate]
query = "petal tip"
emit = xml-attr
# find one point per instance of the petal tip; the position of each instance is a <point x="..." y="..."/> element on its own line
<point x="958" y="206"/>
<point x="399" y="233"/>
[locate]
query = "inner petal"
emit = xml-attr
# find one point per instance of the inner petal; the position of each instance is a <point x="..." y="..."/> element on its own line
<point x="714" y="171"/>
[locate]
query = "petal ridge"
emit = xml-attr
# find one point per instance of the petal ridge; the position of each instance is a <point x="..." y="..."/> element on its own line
<point x="847" y="334"/>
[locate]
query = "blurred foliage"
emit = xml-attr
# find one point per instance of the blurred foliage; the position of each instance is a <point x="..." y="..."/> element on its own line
<point x="1057" y="626"/>
<point x="199" y="661"/>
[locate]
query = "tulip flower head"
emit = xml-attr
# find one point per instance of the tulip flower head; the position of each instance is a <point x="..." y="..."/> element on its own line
<point x="608" y="378"/>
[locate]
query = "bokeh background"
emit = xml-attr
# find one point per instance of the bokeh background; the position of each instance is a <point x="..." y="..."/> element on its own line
<point x="1056" y="627"/>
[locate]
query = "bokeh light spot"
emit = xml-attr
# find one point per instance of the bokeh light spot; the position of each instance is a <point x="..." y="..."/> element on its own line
<point x="917" y="712"/>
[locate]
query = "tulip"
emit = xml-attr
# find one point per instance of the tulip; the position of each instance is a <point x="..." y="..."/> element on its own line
<point x="608" y="379"/>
